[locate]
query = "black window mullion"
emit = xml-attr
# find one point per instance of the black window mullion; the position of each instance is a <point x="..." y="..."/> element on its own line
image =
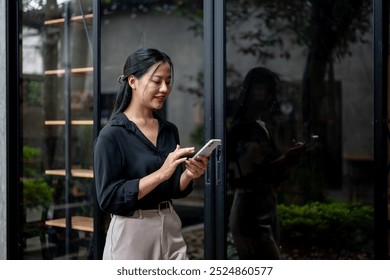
<point x="381" y="44"/>
<point x="209" y="194"/>
<point x="98" y="234"/>
<point x="14" y="145"/>
<point x="68" y="118"/>
<point x="215" y="190"/>
<point x="220" y="125"/>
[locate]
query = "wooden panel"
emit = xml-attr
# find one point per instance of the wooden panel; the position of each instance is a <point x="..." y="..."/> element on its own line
<point x="83" y="70"/>
<point x="62" y="20"/>
<point x="78" y="223"/>
<point x="81" y="173"/>
<point x="73" y="122"/>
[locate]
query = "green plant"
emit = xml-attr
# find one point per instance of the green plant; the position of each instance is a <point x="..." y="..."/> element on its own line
<point x="336" y="225"/>
<point x="36" y="191"/>
<point x="31" y="155"/>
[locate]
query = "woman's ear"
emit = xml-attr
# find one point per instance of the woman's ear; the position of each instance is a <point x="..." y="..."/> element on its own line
<point x="132" y="81"/>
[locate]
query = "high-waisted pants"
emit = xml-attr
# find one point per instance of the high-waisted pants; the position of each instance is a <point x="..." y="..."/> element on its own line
<point x="147" y="235"/>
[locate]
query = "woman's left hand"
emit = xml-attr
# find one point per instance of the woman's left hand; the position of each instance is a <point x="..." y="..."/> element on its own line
<point x="196" y="168"/>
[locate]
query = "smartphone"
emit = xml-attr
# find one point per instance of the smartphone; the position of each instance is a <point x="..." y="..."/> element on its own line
<point x="208" y="148"/>
<point x="309" y="144"/>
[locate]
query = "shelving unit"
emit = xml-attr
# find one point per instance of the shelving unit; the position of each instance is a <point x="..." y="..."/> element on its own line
<point x="71" y="127"/>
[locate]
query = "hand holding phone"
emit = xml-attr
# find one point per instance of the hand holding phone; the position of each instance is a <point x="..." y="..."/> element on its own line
<point x="208" y="148"/>
<point x="310" y="143"/>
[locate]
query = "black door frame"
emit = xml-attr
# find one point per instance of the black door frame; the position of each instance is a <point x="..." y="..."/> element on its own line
<point x="214" y="83"/>
<point x="381" y="128"/>
<point x="14" y="223"/>
<point x="98" y="221"/>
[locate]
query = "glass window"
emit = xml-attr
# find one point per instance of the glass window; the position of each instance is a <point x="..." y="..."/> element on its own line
<point x="56" y="119"/>
<point x="300" y="71"/>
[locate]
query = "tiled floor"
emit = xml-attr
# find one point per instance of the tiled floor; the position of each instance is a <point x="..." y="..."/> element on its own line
<point x="193" y="236"/>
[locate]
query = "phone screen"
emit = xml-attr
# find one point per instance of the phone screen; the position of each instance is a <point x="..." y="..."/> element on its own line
<point x="208" y="148"/>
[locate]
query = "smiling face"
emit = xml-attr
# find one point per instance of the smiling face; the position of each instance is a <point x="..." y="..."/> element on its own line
<point x="153" y="88"/>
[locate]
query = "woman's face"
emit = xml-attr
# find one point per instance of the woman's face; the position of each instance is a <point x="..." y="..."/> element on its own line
<point x="153" y="88"/>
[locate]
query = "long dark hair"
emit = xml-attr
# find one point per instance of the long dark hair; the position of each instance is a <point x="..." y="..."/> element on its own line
<point x="137" y="64"/>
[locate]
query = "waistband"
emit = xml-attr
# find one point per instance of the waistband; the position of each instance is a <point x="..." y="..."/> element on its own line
<point x="164" y="207"/>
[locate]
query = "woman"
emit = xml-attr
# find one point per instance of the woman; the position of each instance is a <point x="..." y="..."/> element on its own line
<point x="138" y="165"/>
<point x="256" y="168"/>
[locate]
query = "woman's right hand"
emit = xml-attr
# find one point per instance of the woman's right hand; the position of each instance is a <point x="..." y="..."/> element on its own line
<point x="149" y="182"/>
<point x="178" y="156"/>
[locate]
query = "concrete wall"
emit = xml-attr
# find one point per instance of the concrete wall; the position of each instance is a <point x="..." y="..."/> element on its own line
<point x="3" y="130"/>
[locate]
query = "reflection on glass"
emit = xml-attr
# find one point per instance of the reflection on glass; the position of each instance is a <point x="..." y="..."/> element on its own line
<point x="257" y="167"/>
<point x="321" y="52"/>
<point x="57" y="212"/>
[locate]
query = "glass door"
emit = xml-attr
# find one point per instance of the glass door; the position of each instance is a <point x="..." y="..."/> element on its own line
<point x="297" y="71"/>
<point x="56" y="122"/>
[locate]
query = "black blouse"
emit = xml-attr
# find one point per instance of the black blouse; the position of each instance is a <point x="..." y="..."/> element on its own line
<point x="123" y="155"/>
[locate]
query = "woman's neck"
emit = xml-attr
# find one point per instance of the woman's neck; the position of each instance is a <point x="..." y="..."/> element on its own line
<point x="139" y="115"/>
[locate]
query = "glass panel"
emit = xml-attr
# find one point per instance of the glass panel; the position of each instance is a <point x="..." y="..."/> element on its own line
<point x="172" y="27"/>
<point x="57" y="220"/>
<point x="318" y="205"/>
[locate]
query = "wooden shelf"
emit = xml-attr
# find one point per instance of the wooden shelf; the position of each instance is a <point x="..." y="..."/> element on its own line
<point x="59" y="21"/>
<point x="78" y="223"/>
<point x="361" y="158"/>
<point x="73" y="122"/>
<point x="81" y="173"/>
<point x="59" y="72"/>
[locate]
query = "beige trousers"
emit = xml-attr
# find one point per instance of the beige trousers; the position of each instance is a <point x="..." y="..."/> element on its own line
<point x="147" y="235"/>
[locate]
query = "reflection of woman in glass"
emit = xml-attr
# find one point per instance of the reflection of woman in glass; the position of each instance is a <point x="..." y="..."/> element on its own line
<point x="256" y="168"/>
